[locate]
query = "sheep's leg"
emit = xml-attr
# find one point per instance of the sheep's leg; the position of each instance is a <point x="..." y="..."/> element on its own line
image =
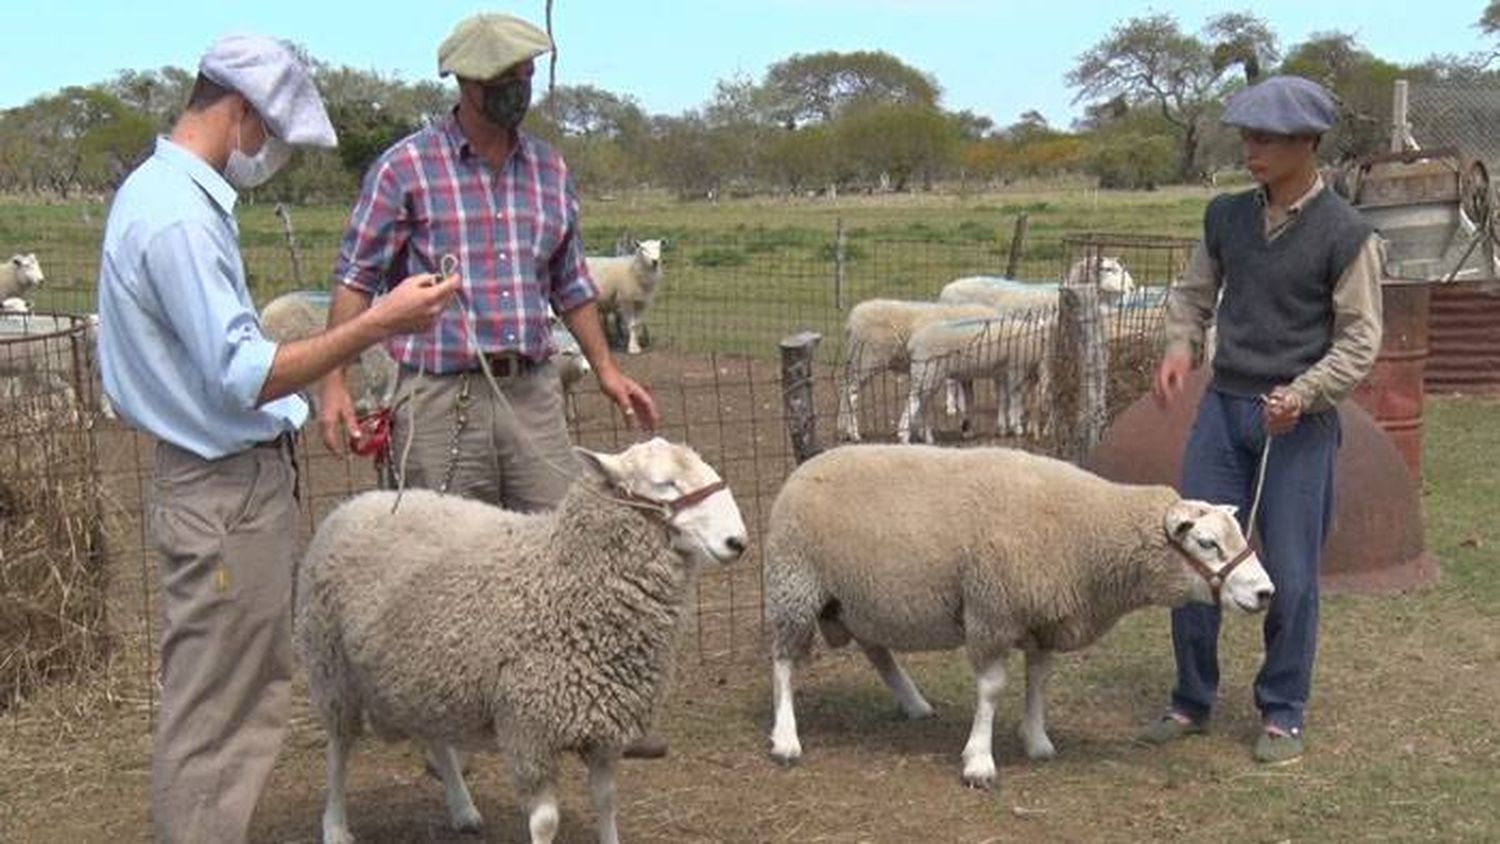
<point x="785" y="748"/>
<point x="848" y="422"/>
<point x="911" y="414"/>
<point x="628" y="325"/>
<point x="1033" y="730"/>
<point x="952" y="400"/>
<point x="979" y="757"/>
<point x="541" y="815"/>
<point x="908" y="696"/>
<point x="601" y="764"/>
<point x="966" y="406"/>
<point x="335" y="816"/>
<point x="461" y="810"/>
<point x="1013" y="426"/>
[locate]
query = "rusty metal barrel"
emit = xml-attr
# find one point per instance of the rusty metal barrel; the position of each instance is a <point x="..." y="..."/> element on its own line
<point x="1393" y="391"/>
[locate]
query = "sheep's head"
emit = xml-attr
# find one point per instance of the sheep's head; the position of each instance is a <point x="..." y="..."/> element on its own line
<point x="27" y="271"/>
<point x="706" y="529"/>
<point x="649" y="253"/>
<point x="1219" y="564"/>
<point x="1113" y="279"/>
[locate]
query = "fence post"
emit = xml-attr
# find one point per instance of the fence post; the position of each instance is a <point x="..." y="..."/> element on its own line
<point x="797" y="392"/>
<point x="1082" y="344"/>
<point x="285" y="214"/>
<point x="1017" y="245"/>
<point x="1400" y="128"/>
<point x="840" y="257"/>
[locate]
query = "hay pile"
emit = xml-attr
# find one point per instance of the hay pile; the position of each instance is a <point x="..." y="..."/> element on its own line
<point x="52" y="561"/>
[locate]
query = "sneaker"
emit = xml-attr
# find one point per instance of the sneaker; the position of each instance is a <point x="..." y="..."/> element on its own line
<point x="649" y="746"/>
<point x="1169" y="728"/>
<point x="1278" y="747"/>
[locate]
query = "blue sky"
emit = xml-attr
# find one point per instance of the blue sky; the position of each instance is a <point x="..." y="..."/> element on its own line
<point x="994" y="57"/>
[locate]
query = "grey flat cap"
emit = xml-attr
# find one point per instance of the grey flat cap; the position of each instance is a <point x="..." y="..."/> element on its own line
<point x="484" y="46"/>
<point x="1283" y="105"/>
<point x="268" y="74"/>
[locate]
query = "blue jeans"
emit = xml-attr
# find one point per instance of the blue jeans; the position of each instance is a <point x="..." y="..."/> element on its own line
<point x="1220" y="465"/>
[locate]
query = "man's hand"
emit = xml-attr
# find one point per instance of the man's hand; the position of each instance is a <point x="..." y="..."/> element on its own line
<point x="632" y="399"/>
<point x="412" y="305"/>
<point x="336" y="418"/>
<point x="1171" y="374"/>
<point x="1283" y="408"/>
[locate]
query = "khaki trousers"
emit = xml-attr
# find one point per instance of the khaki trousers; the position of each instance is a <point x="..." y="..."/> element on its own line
<point x="513" y="453"/>
<point x="227" y="533"/>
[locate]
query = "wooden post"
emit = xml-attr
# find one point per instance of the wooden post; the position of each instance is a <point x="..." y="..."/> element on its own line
<point x="1399" y="128"/>
<point x="1082" y="345"/>
<point x="285" y="213"/>
<point x="797" y="353"/>
<point x="1017" y="245"/>
<point x="840" y="258"/>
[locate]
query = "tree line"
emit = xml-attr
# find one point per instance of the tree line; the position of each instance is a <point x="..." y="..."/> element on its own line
<point x="822" y="122"/>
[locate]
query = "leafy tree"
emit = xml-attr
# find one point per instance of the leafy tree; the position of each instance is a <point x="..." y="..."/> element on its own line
<point x="1242" y="39"/>
<point x="1362" y="82"/>
<point x="819" y="87"/>
<point x="902" y="140"/>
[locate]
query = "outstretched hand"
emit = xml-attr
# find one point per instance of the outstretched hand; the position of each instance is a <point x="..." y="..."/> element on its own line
<point x="413" y="304"/>
<point x="633" y="400"/>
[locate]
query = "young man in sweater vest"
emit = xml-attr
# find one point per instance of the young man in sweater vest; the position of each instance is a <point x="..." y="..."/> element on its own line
<point x="1290" y="275"/>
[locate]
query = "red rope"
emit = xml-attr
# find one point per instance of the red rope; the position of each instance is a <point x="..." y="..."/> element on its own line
<point x="375" y="436"/>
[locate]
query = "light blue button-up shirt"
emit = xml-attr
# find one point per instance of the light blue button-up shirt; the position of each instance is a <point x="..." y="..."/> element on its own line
<point x="180" y="346"/>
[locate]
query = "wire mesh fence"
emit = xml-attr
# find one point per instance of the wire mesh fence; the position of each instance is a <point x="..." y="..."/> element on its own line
<point x="1456" y="115"/>
<point x="712" y="364"/>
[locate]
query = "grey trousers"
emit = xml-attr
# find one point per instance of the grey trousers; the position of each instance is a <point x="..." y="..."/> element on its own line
<point x="513" y="453"/>
<point x="227" y="533"/>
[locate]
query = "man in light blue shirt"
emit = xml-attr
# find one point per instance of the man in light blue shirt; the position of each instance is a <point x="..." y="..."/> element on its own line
<point x="183" y="357"/>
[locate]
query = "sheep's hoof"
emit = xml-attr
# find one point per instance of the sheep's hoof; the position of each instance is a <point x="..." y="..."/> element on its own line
<point x="979" y="773"/>
<point x="1039" y="751"/>
<point x="787" y="758"/>
<point x="470" y="821"/>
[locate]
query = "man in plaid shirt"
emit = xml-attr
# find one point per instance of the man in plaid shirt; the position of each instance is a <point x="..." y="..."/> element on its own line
<point x="475" y="191"/>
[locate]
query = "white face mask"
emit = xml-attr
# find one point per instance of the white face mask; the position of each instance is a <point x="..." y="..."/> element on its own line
<point x="250" y="171"/>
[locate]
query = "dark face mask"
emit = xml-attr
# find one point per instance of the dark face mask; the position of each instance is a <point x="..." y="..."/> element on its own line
<point x="505" y="102"/>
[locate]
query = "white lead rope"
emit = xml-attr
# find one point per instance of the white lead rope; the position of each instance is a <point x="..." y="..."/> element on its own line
<point x="1260" y="483"/>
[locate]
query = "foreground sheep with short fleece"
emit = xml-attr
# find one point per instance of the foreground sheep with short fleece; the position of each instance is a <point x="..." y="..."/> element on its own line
<point x="918" y="548"/>
<point x="627" y="284"/>
<point x="457" y="624"/>
<point x="18" y="275"/>
<point x="876" y="334"/>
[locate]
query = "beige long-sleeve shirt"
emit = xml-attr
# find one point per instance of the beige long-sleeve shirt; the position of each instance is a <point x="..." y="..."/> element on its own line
<point x="1356" y="307"/>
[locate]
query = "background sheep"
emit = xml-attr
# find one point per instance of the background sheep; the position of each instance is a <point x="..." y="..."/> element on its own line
<point x="458" y="624"/>
<point x="15" y="305"/>
<point x="1115" y="282"/>
<point x="18" y="275"/>
<point x="1011" y="349"/>
<point x="303" y="313"/>
<point x="913" y="548"/>
<point x="627" y="284"/>
<point x="876" y="334"/>
<point x="571" y="364"/>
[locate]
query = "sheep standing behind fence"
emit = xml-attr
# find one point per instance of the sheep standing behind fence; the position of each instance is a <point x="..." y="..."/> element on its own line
<point x="17" y="276"/>
<point x="627" y="284"/>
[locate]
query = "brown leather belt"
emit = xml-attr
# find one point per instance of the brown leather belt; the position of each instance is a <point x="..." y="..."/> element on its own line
<point x="510" y="364"/>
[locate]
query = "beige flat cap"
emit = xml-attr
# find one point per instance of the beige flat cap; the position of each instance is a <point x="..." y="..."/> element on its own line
<point x="485" y="45"/>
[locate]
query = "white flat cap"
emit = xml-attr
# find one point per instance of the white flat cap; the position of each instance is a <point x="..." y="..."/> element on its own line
<point x="268" y="74"/>
<point x="485" y="45"/>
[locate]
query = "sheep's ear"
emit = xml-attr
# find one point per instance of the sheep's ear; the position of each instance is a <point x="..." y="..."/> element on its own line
<point x="1179" y="519"/>
<point x="1228" y="509"/>
<point x="605" y="467"/>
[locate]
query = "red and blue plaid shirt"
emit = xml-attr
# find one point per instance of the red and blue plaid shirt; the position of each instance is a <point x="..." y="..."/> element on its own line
<point x="514" y="232"/>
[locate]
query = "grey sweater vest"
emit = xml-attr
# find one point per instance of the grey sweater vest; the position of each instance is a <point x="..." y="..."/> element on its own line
<point x="1275" y="316"/>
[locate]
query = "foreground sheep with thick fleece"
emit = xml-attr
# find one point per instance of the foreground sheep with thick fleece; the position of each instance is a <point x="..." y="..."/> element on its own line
<point x="918" y="548"/>
<point x="627" y="284"/>
<point x="460" y="625"/>
<point x="876" y="335"/>
<point x="18" y="275"/>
